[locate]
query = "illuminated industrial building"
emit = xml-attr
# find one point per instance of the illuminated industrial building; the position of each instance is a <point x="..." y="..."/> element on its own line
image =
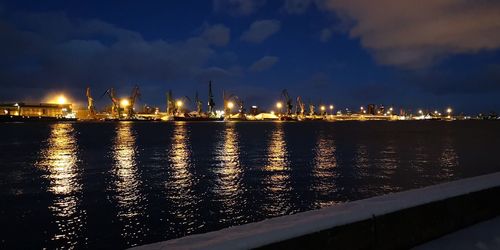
<point x="37" y="110"/>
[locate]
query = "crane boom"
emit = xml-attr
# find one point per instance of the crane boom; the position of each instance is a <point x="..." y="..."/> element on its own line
<point x="288" y="102"/>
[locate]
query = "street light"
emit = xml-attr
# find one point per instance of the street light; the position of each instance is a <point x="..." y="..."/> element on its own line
<point x="230" y="105"/>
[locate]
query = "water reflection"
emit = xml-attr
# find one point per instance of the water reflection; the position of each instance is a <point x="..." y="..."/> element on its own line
<point x="325" y="164"/>
<point x="278" y="174"/>
<point x="388" y="163"/>
<point x="59" y="159"/>
<point x="361" y="161"/>
<point x="126" y="185"/>
<point x="180" y="186"/>
<point x="448" y="160"/>
<point x="229" y="171"/>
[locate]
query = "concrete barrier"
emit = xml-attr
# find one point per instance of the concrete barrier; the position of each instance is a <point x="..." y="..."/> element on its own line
<point x="393" y="221"/>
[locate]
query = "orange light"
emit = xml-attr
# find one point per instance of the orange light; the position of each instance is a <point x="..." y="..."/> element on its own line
<point x="61" y="99"/>
<point x="125" y="102"/>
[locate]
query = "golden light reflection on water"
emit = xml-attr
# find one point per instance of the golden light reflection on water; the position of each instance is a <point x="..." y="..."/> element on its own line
<point x="59" y="159"/>
<point x="229" y="171"/>
<point x="126" y="184"/>
<point x="325" y="164"/>
<point x="181" y="182"/>
<point x="278" y="177"/>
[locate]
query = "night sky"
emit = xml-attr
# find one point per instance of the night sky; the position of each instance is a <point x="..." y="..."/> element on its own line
<point x="406" y="53"/>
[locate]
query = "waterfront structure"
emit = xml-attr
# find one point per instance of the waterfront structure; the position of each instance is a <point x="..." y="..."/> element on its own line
<point x="50" y="110"/>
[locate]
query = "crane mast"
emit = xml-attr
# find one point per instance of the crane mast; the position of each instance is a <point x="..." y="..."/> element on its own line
<point x="211" y="103"/>
<point x="288" y="102"/>
<point x="301" y="105"/>
<point x="115" y="109"/>
<point x="133" y="97"/>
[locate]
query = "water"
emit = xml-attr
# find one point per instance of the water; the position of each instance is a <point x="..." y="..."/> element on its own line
<point x="115" y="185"/>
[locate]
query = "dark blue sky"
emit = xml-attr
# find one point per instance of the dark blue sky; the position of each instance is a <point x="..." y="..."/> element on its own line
<point x="349" y="53"/>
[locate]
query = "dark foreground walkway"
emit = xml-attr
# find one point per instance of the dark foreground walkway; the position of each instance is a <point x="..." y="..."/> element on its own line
<point x="482" y="236"/>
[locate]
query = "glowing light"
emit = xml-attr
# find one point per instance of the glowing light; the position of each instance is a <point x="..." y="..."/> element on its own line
<point x="230" y="105"/>
<point x="61" y="99"/>
<point x="279" y="105"/>
<point x="361" y="108"/>
<point x="421" y="112"/>
<point x="179" y="103"/>
<point x="449" y="110"/>
<point x="322" y="108"/>
<point x="331" y="107"/>
<point x="391" y="109"/>
<point x="435" y="111"/>
<point x="272" y="112"/>
<point x="124" y="102"/>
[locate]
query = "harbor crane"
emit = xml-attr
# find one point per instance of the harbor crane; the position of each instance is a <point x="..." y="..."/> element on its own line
<point x="288" y="102"/>
<point x="211" y="103"/>
<point x="115" y="109"/>
<point x="301" y="107"/>
<point x="133" y="97"/>
<point x="90" y="104"/>
<point x="311" y="108"/>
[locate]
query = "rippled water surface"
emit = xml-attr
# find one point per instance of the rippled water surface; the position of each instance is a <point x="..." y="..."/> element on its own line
<point x="114" y="185"/>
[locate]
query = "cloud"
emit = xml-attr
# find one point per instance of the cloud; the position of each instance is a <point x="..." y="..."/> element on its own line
<point x="238" y="7"/>
<point x="218" y="35"/>
<point x="415" y="34"/>
<point x="49" y="50"/>
<point x="296" y="6"/>
<point x="325" y="35"/>
<point x="261" y="30"/>
<point x="264" y="63"/>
